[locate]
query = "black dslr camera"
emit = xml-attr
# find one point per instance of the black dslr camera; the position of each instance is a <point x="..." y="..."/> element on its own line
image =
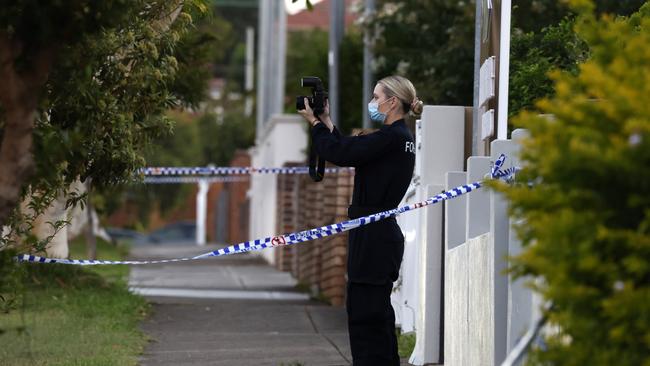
<point x="318" y="95"/>
<point x="317" y="103"/>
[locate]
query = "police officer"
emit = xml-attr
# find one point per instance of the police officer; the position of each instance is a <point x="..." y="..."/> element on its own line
<point x="383" y="162"/>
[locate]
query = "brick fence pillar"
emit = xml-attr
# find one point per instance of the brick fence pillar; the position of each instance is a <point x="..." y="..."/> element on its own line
<point x="304" y="204"/>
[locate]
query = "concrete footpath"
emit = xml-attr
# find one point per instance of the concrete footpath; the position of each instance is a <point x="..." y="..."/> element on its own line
<point x="234" y="310"/>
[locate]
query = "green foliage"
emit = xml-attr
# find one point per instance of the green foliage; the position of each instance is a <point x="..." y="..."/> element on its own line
<point x="307" y="56"/>
<point x="351" y="81"/>
<point x="206" y="43"/>
<point x="586" y="220"/>
<point x="619" y="7"/>
<point x="219" y="139"/>
<point x="197" y="138"/>
<point x="534" y="55"/>
<point x="236" y="74"/>
<point x="45" y="23"/>
<point x="405" y="343"/>
<point x="542" y="40"/>
<point x="533" y="16"/>
<point x="11" y="285"/>
<point x="107" y="93"/>
<point x="233" y="65"/>
<point x="106" y="99"/>
<point x="430" y="42"/>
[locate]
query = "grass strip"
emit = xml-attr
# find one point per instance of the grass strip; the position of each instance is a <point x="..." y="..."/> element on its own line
<point x="73" y="315"/>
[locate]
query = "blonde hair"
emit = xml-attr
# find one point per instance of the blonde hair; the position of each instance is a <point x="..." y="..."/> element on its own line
<point x="402" y="88"/>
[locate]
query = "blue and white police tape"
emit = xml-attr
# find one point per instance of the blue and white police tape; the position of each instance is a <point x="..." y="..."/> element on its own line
<point x="292" y="238"/>
<point x="175" y="171"/>
<point x="174" y="180"/>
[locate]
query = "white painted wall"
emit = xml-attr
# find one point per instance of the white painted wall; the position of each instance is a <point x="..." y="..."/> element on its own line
<point x="486" y="312"/>
<point x="440" y="148"/>
<point x="452" y="278"/>
<point x="284" y="139"/>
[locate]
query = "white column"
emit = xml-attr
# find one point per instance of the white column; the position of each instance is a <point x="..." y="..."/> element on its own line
<point x="250" y="63"/>
<point x="263" y="71"/>
<point x="428" y="328"/>
<point x="279" y="59"/>
<point x="504" y="70"/>
<point x="201" y="211"/>
<point x="500" y="232"/>
<point x="443" y="136"/>
<point x="478" y="202"/>
<point x="455" y="211"/>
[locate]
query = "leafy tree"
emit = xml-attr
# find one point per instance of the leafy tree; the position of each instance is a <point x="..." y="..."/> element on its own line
<point x="90" y="84"/>
<point x="430" y="42"/>
<point x="196" y="52"/>
<point x="585" y="220"/>
<point x="542" y="40"/>
<point x="203" y="136"/>
<point x="233" y="65"/>
<point x="307" y="56"/>
<point x="220" y="138"/>
<point x="534" y="55"/>
<point x="533" y="16"/>
<point x="351" y="81"/>
<point x="32" y="35"/>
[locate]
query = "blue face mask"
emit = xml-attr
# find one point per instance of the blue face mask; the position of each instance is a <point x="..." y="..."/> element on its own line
<point x="374" y="113"/>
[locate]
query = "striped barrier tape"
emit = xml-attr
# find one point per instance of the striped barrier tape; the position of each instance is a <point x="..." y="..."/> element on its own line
<point x="288" y="239"/>
<point x="175" y="171"/>
<point x="175" y="180"/>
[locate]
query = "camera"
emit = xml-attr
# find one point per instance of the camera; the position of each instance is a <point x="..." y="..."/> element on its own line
<point x="318" y="95"/>
<point x="317" y="102"/>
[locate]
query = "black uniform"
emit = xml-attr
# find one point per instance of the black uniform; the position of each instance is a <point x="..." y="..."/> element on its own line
<point x="383" y="162"/>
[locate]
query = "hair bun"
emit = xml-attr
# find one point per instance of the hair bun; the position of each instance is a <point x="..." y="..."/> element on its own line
<point x="416" y="106"/>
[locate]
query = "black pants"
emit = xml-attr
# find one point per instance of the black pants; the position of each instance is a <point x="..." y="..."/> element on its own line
<point x="371" y="324"/>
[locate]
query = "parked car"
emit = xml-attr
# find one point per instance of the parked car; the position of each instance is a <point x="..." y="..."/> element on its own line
<point x="119" y="234"/>
<point x="182" y="232"/>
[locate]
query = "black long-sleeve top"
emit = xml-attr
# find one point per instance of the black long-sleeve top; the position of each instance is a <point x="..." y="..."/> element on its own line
<point x="384" y="162"/>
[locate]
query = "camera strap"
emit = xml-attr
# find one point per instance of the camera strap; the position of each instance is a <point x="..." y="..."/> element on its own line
<point x="316" y="165"/>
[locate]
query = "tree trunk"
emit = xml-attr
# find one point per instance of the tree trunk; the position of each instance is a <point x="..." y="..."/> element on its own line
<point x="16" y="160"/>
<point x="19" y="99"/>
<point x="91" y="239"/>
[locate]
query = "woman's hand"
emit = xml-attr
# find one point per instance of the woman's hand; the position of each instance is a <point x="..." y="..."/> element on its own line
<point x="308" y="113"/>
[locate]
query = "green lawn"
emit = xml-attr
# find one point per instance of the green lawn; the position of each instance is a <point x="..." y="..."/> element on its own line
<point x="405" y="343"/>
<point x="72" y="315"/>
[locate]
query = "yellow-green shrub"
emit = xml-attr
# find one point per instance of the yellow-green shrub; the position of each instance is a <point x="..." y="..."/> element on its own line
<point x="587" y="215"/>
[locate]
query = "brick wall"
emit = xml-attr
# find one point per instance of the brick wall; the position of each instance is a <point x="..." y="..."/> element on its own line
<point x="287" y="216"/>
<point x="214" y="192"/>
<point x="304" y="204"/>
<point x="239" y="206"/>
